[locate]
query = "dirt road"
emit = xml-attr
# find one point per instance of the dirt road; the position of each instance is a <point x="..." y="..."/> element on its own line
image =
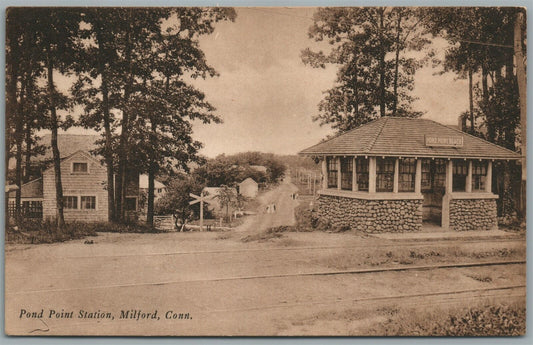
<point x="280" y="196"/>
<point x="209" y="283"/>
<point x="204" y="275"/>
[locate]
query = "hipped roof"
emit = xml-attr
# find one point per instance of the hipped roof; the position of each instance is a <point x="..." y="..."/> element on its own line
<point x="405" y="137"/>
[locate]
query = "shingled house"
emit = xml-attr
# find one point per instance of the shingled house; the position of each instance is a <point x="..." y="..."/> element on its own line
<point x="84" y="181"/>
<point x="394" y="173"/>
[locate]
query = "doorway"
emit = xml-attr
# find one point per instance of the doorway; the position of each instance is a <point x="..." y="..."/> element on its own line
<point x="433" y="189"/>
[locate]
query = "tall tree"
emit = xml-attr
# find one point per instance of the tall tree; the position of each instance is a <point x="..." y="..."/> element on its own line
<point x="481" y="41"/>
<point x="98" y="86"/>
<point x="56" y="30"/>
<point x="165" y="103"/>
<point x="375" y="74"/>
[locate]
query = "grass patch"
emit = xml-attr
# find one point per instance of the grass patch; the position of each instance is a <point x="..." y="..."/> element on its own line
<point x="486" y="319"/>
<point x="262" y="237"/>
<point x="38" y="231"/>
<point x="347" y="259"/>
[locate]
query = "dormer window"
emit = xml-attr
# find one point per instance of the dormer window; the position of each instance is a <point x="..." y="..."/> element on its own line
<point x="80" y="168"/>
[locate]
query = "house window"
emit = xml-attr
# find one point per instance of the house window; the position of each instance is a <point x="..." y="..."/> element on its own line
<point x="70" y="202"/>
<point x="159" y="190"/>
<point x="460" y="172"/>
<point x="385" y="174"/>
<point x="131" y="204"/>
<point x="332" y="172"/>
<point x="79" y="167"/>
<point x="346" y="173"/>
<point x="479" y="175"/>
<point x="88" y="202"/>
<point x="361" y="169"/>
<point x="406" y="175"/>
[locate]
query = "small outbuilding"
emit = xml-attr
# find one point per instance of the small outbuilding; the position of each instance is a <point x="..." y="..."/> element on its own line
<point x="249" y="188"/>
<point x="393" y="173"/>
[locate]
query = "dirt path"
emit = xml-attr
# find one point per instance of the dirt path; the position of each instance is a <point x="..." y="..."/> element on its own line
<point x="284" y="214"/>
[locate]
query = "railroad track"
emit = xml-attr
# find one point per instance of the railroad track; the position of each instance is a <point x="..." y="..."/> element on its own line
<point x="288" y="275"/>
<point x="441" y="297"/>
<point x="281" y="249"/>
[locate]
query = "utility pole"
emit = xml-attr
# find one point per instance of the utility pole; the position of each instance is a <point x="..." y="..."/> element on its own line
<point x="522" y="84"/>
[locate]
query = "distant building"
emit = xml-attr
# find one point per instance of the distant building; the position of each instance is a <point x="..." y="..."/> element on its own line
<point x="159" y="188"/>
<point x="260" y="168"/>
<point x="84" y="180"/>
<point x="214" y="204"/>
<point x="248" y="188"/>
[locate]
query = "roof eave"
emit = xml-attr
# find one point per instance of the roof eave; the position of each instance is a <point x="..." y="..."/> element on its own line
<point x="397" y="154"/>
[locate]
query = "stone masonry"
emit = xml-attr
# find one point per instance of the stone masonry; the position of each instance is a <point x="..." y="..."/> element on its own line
<point x="371" y="216"/>
<point x="473" y="214"/>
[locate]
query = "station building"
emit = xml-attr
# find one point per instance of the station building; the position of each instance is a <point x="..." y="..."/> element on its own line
<point x="393" y="174"/>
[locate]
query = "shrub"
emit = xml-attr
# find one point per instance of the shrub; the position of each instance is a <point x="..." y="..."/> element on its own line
<point x="480" y="320"/>
<point x="37" y="231"/>
<point x="307" y="220"/>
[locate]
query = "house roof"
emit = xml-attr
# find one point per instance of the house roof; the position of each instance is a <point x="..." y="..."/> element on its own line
<point x="214" y="190"/>
<point x="248" y="181"/>
<point x="68" y="144"/>
<point x="32" y="189"/>
<point x="260" y="168"/>
<point x="400" y="136"/>
<point x="143" y="182"/>
<point x="79" y="152"/>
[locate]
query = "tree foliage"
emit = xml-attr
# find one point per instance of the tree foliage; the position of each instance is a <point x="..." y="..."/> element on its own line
<point x="375" y="74"/>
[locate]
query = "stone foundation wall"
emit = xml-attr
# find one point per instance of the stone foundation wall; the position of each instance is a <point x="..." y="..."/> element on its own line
<point x="371" y="215"/>
<point x="473" y="214"/>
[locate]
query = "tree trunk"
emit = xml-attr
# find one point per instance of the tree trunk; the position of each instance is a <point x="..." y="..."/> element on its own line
<point x="19" y="135"/>
<point x="27" y="163"/>
<point x="471" y="99"/>
<point x="491" y="133"/>
<point x="55" y="150"/>
<point x="396" y="65"/>
<point x="123" y="151"/>
<point x="382" y="108"/>
<point x="12" y="69"/>
<point x="522" y="84"/>
<point x="108" y="150"/>
<point x="356" y="91"/>
<point x="151" y="184"/>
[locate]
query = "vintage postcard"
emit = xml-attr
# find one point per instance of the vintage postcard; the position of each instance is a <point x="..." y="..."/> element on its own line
<point x="254" y="171"/>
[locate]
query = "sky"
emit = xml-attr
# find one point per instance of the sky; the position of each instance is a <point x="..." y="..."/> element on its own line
<point x="267" y="97"/>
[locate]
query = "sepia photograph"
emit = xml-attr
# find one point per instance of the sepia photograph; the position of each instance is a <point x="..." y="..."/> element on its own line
<point x="265" y="171"/>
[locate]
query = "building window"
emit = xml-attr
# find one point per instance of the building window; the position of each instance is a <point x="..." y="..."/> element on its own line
<point x="361" y="168"/>
<point x="426" y="175"/>
<point x="131" y="204"/>
<point x="80" y="167"/>
<point x="479" y="175"/>
<point x="385" y="174"/>
<point x="406" y="175"/>
<point x="433" y="174"/>
<point x="70" y="202"/>
<point x="439" y="174"/>
<point x="159" y="190"/>
<point x="460" y="172"/>
<point x="346" y="173"/>
<point x="332" y="172"/>
<point x="88" y="203"/>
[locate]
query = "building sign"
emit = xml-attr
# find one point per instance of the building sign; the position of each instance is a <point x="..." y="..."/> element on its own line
<point x="444" y="141"/>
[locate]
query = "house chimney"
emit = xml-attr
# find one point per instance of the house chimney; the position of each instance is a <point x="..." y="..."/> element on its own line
<point x="461" y="122"/>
